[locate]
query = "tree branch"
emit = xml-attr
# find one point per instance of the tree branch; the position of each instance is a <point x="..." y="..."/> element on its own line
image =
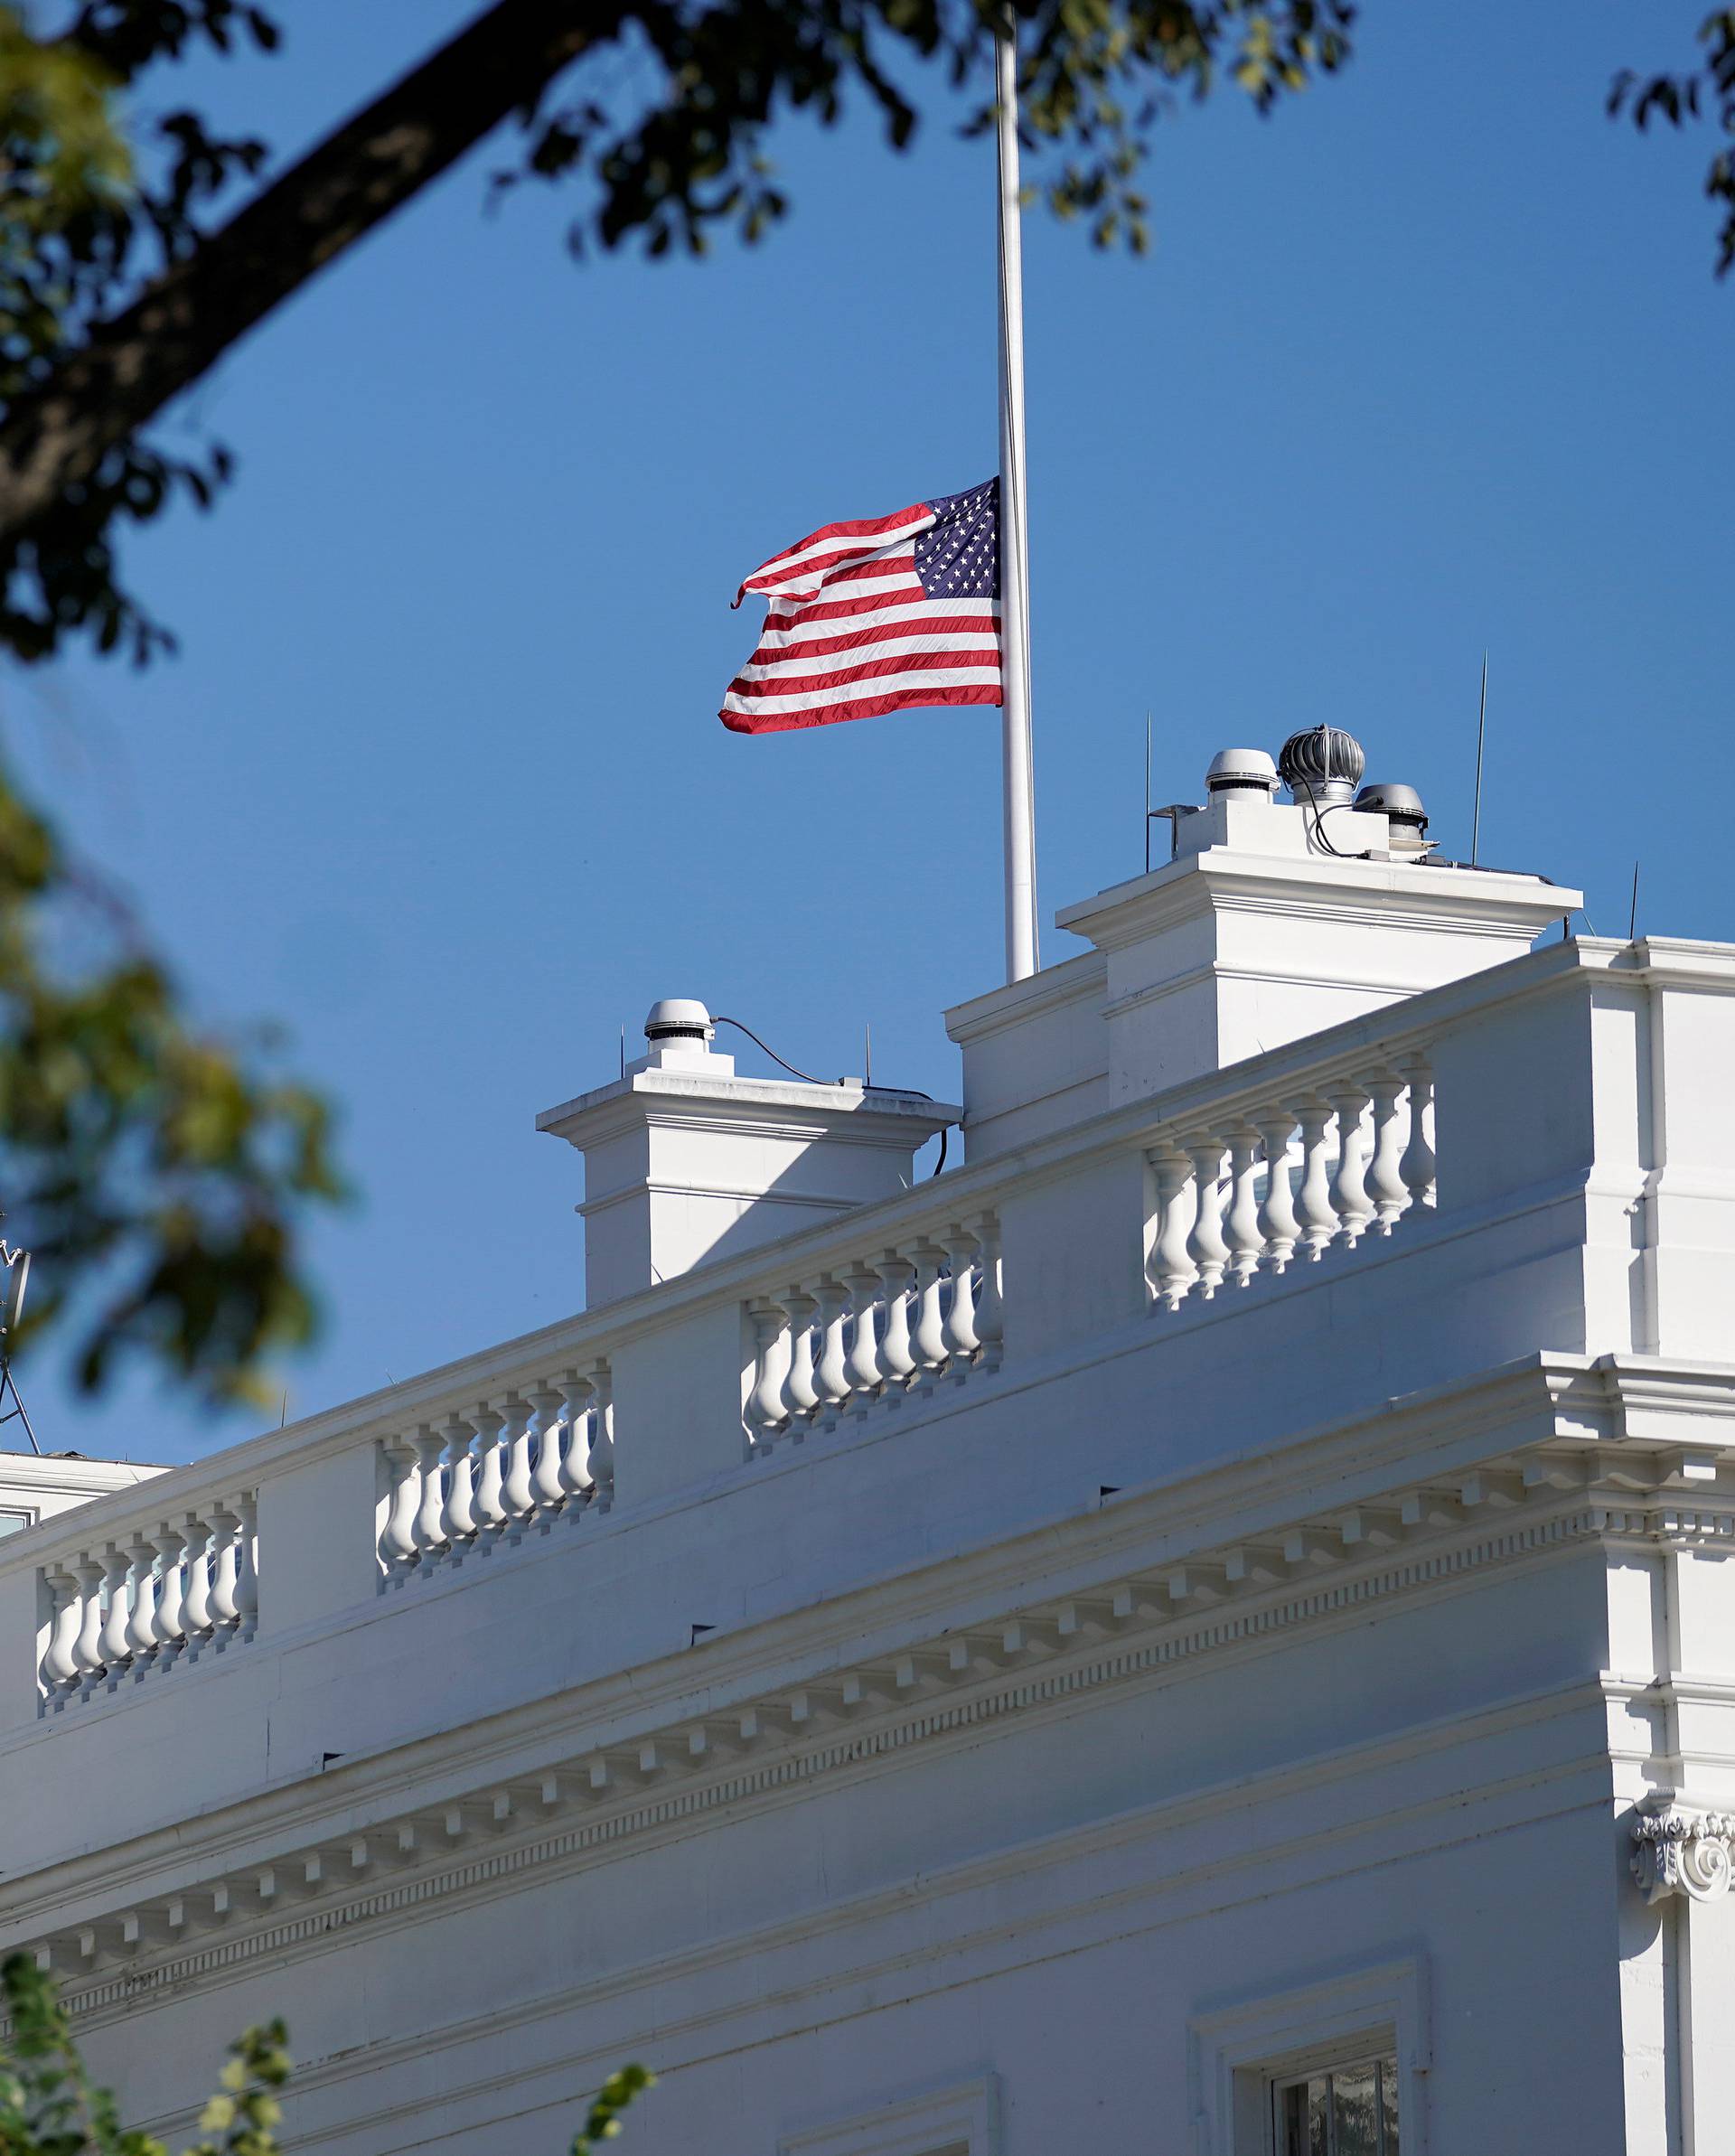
<point x="186" y="318"/>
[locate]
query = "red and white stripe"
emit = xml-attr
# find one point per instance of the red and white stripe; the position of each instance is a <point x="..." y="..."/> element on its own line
<point x="851" y="632"/>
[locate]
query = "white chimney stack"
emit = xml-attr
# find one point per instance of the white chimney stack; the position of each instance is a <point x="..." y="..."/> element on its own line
<point x="684" y="1161"/>
<point x="1273" y="918"/>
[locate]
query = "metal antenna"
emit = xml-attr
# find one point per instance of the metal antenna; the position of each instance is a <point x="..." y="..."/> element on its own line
<point x="1481" y="731"/>
<point x="1147" y="794"/>
<point x="623" y="1051"/>
<point x="1632" y="917"/>
<point x="17" y="1272"/>
<point x="867" y="1052"/>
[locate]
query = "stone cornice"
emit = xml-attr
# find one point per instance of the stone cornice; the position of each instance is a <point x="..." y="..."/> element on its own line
<point x="1563" y="1414"/>
<point x="781" y="1704"/>
<point x="734" y="2008"/>
<point x="309" y="1913"/>
<point x="1077" y="980"/>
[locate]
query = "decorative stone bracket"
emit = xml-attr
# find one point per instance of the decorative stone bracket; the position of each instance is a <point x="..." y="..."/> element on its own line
<point x="1679" y="1851"/>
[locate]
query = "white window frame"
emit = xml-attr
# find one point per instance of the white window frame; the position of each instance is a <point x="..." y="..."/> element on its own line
<point x="1240" y="2050"/>
<point x="961" y="2119"/>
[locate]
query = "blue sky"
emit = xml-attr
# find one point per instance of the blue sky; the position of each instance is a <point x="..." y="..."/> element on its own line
<point x="1432" y="361"/>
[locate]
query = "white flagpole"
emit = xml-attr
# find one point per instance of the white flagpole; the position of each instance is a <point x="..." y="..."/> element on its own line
<point x="1020" y="835"/>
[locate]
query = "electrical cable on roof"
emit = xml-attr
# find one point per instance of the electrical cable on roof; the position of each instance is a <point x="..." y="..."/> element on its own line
<point x="909" y="1091"/>
<point x="720" y="1021"/>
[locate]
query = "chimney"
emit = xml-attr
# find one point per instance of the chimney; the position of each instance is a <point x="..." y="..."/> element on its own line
<point x="1273" y="918"/>
<point x="685" y="1162"/>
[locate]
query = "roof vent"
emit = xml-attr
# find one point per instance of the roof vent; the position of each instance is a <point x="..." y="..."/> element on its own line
<point x="1404" y="814"/>
<point x="1322" y="767"/>
<point x="678" y="1018"/>
<point x="1401" y="805"/>
<point x="1242" y="771"/>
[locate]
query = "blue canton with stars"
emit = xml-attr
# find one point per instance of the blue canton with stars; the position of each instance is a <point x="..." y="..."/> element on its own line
<point x="958" y="556"/>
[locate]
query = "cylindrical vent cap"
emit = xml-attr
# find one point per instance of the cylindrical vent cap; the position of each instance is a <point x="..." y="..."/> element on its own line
<point x="678" y="1018"/>
<point x="1242" y="771"/>
<point x="1402" y="804"/>
<point x="1325" y="764"/>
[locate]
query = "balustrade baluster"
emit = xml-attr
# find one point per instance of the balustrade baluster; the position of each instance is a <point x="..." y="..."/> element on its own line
<point x="1313" y="1205"/>
<point x="428" y="1528"/>
<point x="115" y="1566"/>
<point x="959" y="1332"/>
<point x="246" y="1584"/>
<point x="488" y="1504"/>
<point x="1171" y="1270"/>
<point x="989" y="1308"/>
<point x="397" y="1537"/>
<point x="60" y="1661"/>
<point x="225" y="1575"/>
<point x="1278" y="1225"/>
<point x="577" y="1396"/>
<point x="862" y="1363"/>
<point x="86" y="1648"/>
<point x="142" y="1602"/>
<point x="896" y="1356"/>
<point x="196" y="1602"/>
<point x="1349" y="1185"/>
<point x="516" y="1493"/>
<point x="765" y="1413"/>
<point x="602" y="1435"/>
<point x="1205" y="1245"/>
<point x="171" y="1617"/>
<point x="929" y="1339"/>
<point x="459" y="1519"/>
<point x="801" y="1394"/>
<point x="1384" y="1184"/>
<point x="546" y="1488"/>
<point x="1417" y="1168"/>
<point x="1245" y="1241"/>
<point x="141" y="1629"/>
<point x="831" y="1373"/>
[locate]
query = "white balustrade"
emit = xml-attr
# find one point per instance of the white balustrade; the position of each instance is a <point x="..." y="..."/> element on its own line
<point x="577" y="1398"/>
<point x="427" y="1521"/>
<point x="516" y="1493"/>
<point x="152" y="1600"/>
<point x="1241" y="1224"/>
<point x="226" y="1577"/>
<point x="481" y="1477"/>
<point x="1347" y="1159"/>
<point x="490" y="1480"/>
<point x="546" y="1487"/>
<point x="602" y="1437"/>
<point x="1170" y="1270"/>
<point x="1205" y="1245"/>
<point x="112" y="1650"/>
<point x="459" y="1523"/>
<point x="1313" y="1205"/>
<point x="880" y="1326"/>
<point x="1337" y="1156"/>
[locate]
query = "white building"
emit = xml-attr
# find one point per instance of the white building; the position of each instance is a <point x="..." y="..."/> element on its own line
<point x="1105" y="1650"/>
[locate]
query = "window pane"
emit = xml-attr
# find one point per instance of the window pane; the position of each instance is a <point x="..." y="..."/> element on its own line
<point x="1302" y="2125"/>
<point x="1350" y="2111"/>
<point x="1355" y="2111"/>
<point x="1388" y="2106"/>
<point x="11" y="1523"/>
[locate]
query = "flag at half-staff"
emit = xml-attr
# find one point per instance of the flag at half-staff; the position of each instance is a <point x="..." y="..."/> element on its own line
<point x="885" y="614"/>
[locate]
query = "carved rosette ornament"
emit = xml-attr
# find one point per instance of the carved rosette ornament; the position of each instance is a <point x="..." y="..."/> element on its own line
<point x="1678" y="1852"/>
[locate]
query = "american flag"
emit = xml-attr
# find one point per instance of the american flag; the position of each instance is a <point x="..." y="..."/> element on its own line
<point x="877" y="615"/>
